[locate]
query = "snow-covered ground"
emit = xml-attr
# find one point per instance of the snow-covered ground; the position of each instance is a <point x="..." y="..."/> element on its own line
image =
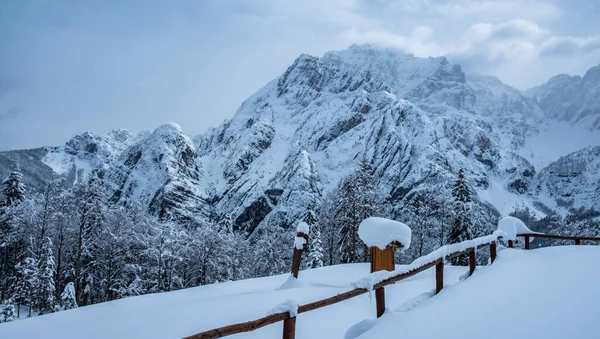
<point x="186" y="312"/>
<point x="545" y="293"/>
<point x="549" y="293"/>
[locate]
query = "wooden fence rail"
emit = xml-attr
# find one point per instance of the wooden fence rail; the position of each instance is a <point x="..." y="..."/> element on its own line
<point x="577" y="239"/>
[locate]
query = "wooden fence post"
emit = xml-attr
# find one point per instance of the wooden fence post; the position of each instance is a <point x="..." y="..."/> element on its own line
<point x="471" y="262"/>
<point x="527" y="242"/>
<point x="439" y="276"/>
<point x="510" y="244"/>
<point x="380" y="301"/>
<point x="577" y="241"/>
<point x="493" y="251"/>
<point x="289" y="328"/>
<point x="297" y="258"/>
<point x="382" y="260"/>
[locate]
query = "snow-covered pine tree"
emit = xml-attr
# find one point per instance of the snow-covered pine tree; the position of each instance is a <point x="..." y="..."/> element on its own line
<point x="461" y="226"/>
<point x="67" y="297"/>
<point x="47" y="202"/>
<point x="314" y="257"/>
<point x="63" y="232"/>
<point x="270" y="251"/>
<point x="347" y="217"/>
<point x="91" y="217"/>
<point x="328" y="228"/>
<point x="45" y="280"/>
<point x="8" y="311"/>
<point x="26" y="283"/>
<point x="11" y="242"/>
<point x="418" y="213"/>
<point x="443" y="212"/>
<point x="13" y="188"/>
<point x="309" y="217"/>
<point x="357" y="201"/>
<point x="315" y="248"/>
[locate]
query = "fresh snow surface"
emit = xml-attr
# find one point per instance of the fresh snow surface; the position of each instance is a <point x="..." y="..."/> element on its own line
<point x="512" y="226"/>
<point x="505" y="201"/>
<point x="549" y="293"/>
<point x="302" y="227"/>
<point x="380" y="232"/>
<point x="186" y="312"/>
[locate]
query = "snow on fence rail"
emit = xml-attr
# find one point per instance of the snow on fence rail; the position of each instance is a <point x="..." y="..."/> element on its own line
<point x="375" y="281"/>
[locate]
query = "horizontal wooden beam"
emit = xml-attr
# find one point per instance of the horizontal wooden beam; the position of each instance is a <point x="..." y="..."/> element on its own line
<point x="241" y="327"/>
<point x="408" y="274"/>
<point x="560" y="237"/>
<point x="331" y="300"/>
<point x="457" y="254"/>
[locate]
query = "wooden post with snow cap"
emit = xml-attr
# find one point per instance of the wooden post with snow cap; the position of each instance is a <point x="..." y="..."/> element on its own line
<point x="300" y="243"/>
<point x="289" y="308"/>
<point x="383" y="236"/>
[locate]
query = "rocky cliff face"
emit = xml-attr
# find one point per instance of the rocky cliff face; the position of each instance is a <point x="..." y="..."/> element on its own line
<point x="160" y="173"/>
<point x="417" y="121"/>
<point x="572" y="180"/>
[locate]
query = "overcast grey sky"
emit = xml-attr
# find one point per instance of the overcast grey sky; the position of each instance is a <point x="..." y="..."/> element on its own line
<point x="71" y="66"/>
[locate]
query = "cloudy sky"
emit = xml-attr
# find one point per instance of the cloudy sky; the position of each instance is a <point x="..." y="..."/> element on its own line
<point x="70" y="66"/>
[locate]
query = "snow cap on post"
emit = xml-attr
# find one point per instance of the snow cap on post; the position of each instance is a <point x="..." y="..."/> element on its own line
<point x="512" y="226"/>
<point x="302" y="235"/>
<point x="302" y="228"/>
<point x="381" y="232"/>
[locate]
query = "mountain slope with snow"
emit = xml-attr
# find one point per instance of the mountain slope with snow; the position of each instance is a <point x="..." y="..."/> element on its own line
<point x="573" y="99"/>
<point x="416" y="121"/>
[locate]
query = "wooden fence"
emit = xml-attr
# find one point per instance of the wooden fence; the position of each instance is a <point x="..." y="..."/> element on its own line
<point x="289" y="322"/>
<point x="576" y="239"/>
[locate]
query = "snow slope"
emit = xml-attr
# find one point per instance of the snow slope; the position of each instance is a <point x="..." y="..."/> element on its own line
<point x="185" y="312"/>
<point x="549" y="293"/>
<point x="543" y="293"/>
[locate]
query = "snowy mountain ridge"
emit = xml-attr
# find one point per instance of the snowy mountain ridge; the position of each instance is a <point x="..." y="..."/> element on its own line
<point x="416" y="121"/>
<point x="573" y="99"/>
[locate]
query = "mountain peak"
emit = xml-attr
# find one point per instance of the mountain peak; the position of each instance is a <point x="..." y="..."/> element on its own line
<point x="592" y="74"/>
<point x="366" y="54"/>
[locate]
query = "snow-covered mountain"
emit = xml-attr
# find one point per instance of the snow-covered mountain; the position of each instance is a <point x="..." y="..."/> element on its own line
<point x="572" y="99"/>
<point x="572" y="180"/>
<point x="417" y="121"/>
